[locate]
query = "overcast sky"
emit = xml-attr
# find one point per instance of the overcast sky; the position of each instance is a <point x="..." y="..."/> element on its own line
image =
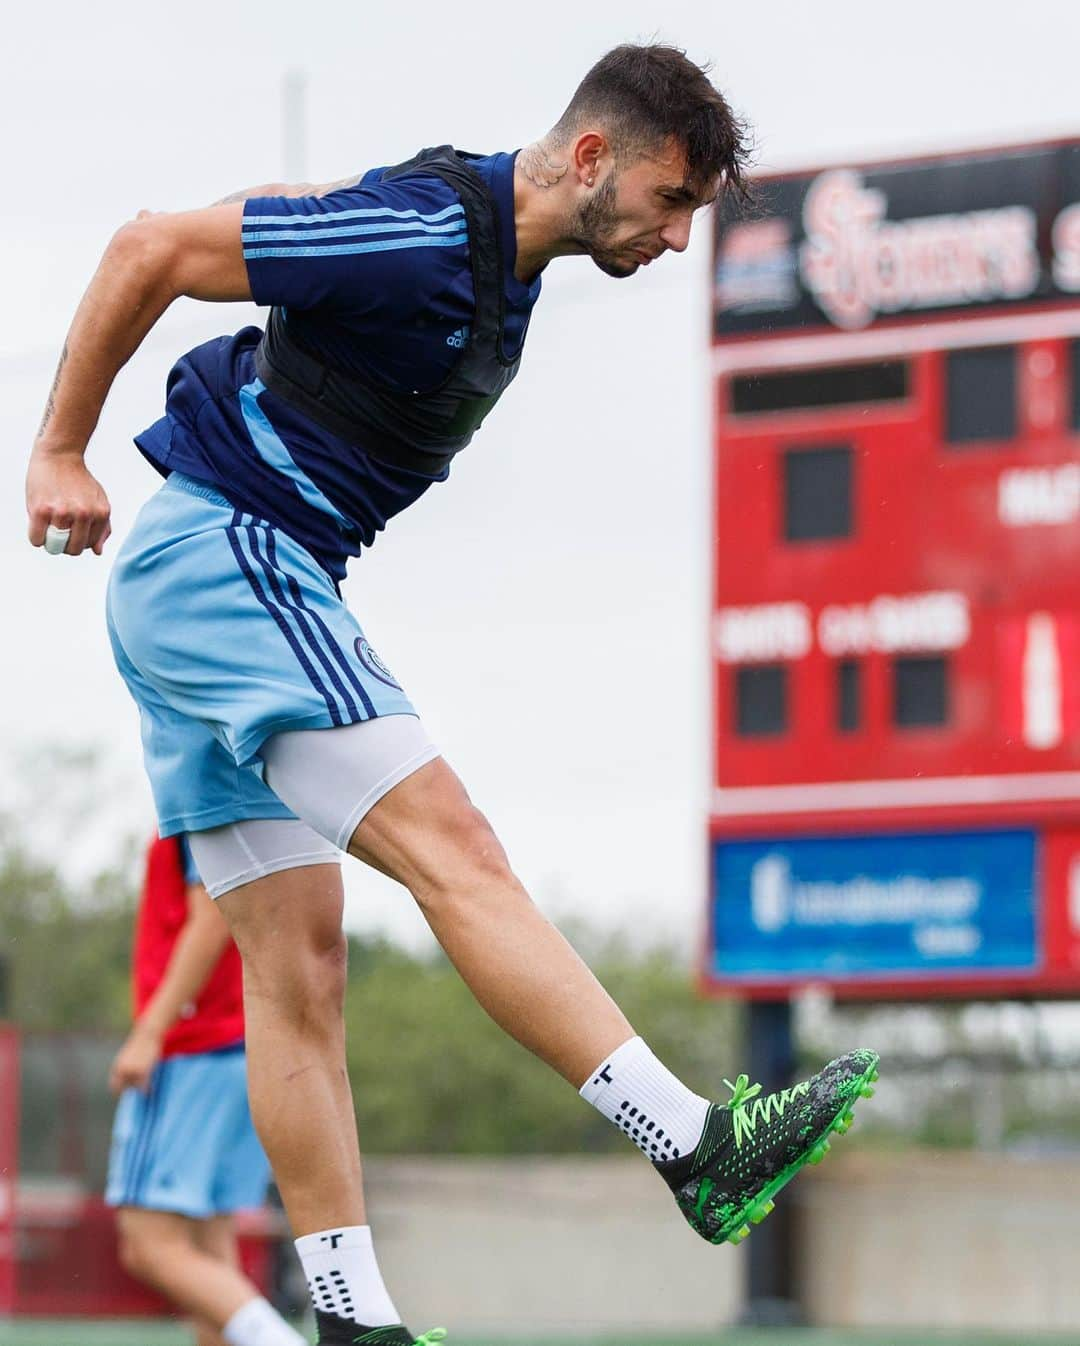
<point x="547" y="609"/>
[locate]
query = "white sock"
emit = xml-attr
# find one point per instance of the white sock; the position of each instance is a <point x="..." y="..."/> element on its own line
<point x="257" y="1323"/>
<point x="642" y="1097"/>
<point x="343" y="1276"/>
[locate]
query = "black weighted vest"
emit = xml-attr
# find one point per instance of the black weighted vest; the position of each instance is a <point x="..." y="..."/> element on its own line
<point x="420" y="431"/>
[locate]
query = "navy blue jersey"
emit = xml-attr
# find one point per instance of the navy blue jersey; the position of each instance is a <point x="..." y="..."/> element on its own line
<point x="375" y="277"/>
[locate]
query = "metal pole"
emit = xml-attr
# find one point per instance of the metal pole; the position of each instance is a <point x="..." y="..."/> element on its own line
<point x="10" y="1070"/>
<point x="771" y="1292"/>
<point x="294" y="126"/>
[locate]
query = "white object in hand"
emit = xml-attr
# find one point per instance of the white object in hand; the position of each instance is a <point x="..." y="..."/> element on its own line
<point x="56" y="540"/>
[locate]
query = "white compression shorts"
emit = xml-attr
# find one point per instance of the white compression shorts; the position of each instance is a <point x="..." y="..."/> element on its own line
<point x="330" y="778"/>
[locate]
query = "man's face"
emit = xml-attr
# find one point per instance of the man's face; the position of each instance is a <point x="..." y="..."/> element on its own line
<point x="639" y="212"/>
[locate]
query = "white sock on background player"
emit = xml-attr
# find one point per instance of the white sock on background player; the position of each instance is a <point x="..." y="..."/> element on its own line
<point x="258" y="1323"/>
<point x="644" y="1099"/>
<point x="343" y="1275"/>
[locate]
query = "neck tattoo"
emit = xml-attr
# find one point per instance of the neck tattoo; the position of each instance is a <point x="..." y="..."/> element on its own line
<point x="539" y="168"/>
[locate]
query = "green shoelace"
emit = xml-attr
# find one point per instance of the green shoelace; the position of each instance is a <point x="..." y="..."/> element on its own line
<point x="747" y="1109"/>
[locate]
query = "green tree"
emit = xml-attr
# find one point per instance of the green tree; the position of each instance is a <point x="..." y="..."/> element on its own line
<point x="65" y="948"/>
<point x="433" y="1075"/>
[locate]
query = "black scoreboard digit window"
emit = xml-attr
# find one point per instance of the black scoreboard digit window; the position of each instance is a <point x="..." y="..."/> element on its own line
<point x="920" y="691"/>
<point x="817" y="494"/>
<point x="980" y="395"/>
<point x="848" y="696"/>
<point x="821" y="386"/>
<point x="1075" y="419"/>
<point x="761" y="700"/>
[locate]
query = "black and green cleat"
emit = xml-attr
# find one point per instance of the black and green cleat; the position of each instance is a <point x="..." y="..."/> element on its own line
<point x="335" y="1331"/>
<point x="753" y="1146"/>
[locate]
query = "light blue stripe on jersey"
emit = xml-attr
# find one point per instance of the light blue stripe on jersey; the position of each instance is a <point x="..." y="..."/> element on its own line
<point x="358" y="213"/>
<point x="376" y="245"/>
<point x="273" y="451"/>
<point x="353" y="230"/>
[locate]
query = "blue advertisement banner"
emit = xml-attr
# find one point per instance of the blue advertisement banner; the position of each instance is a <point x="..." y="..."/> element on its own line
<point x="830" y="908"/>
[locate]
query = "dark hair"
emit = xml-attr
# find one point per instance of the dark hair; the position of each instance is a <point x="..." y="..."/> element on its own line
<point x="644" y="95"/>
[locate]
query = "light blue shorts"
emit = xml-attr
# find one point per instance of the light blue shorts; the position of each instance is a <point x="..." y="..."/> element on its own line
<point x="188" y="1145"/>
<point x="227" y="631"/>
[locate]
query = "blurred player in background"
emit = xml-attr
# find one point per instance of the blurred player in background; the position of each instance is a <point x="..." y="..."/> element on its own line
<point x="274" y="734"/>
<point x="185" y="1155"/>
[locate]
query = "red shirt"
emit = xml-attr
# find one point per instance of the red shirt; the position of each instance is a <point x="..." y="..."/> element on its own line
<point x="216" y="1018"/>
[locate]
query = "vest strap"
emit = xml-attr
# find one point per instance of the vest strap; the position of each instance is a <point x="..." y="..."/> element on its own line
<point x="300" y="378"/>
<point x="420" y="432"/>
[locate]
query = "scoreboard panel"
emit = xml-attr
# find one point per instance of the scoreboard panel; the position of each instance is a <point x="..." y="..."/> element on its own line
<point x="895" y="640"/>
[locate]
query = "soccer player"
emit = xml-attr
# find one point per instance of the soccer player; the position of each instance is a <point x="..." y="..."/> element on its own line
<point x="273" y="733"/>
<point x="184" y="1153"/>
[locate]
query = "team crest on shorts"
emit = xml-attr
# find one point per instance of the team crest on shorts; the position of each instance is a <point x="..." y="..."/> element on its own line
<point x="374" y="664"/>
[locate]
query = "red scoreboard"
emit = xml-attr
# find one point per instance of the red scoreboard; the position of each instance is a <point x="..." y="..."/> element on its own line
<point x="895" y="635"/>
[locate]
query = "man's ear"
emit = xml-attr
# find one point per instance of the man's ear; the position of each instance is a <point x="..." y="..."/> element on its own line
<point x="587" y="155"/>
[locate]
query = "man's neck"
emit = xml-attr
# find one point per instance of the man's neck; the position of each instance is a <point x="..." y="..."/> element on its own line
<point x="540" y="177"/>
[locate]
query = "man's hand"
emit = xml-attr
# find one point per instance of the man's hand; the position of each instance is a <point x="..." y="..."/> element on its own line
<point x="135" y="1061"/>
<point x="61" y="491"/>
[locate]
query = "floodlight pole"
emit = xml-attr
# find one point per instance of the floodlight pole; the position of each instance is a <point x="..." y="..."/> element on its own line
<point x="771" y="1290"/>
<point x="294" y="156"/>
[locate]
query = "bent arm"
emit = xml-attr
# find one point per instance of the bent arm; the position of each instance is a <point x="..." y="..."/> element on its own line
<point x="201" y="942"/>
<point x="149" y="263"/>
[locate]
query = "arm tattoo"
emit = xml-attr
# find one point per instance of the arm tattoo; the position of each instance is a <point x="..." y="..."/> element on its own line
<point x="50" y="401"/>
<point x="536" y="163"/>
<point x="329" y="187"/>
<point x="265" y="189"/>
<point x="232" y="198"/>
<point x="282" y="189"/>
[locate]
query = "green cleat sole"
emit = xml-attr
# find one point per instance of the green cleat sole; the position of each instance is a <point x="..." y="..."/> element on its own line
<point x="738" y="1228"/>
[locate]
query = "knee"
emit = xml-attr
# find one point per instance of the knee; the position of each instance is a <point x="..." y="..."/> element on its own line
<point x="303" y="973"/>
<point x="471" y="869"/>
<point x="135" y="1255"/>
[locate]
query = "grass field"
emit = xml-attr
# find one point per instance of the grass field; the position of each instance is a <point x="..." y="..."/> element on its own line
<point x="82" y="1333"/>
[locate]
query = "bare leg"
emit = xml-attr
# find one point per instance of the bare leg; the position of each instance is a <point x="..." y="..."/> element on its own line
<point x="160" y="1249"/>
<point x="217" y="1238"/>
<point x="428" y="835"/>
<point x="288" y="929"/>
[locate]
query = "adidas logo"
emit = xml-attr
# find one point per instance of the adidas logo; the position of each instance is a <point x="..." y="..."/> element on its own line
<point x="458" y="339"/>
